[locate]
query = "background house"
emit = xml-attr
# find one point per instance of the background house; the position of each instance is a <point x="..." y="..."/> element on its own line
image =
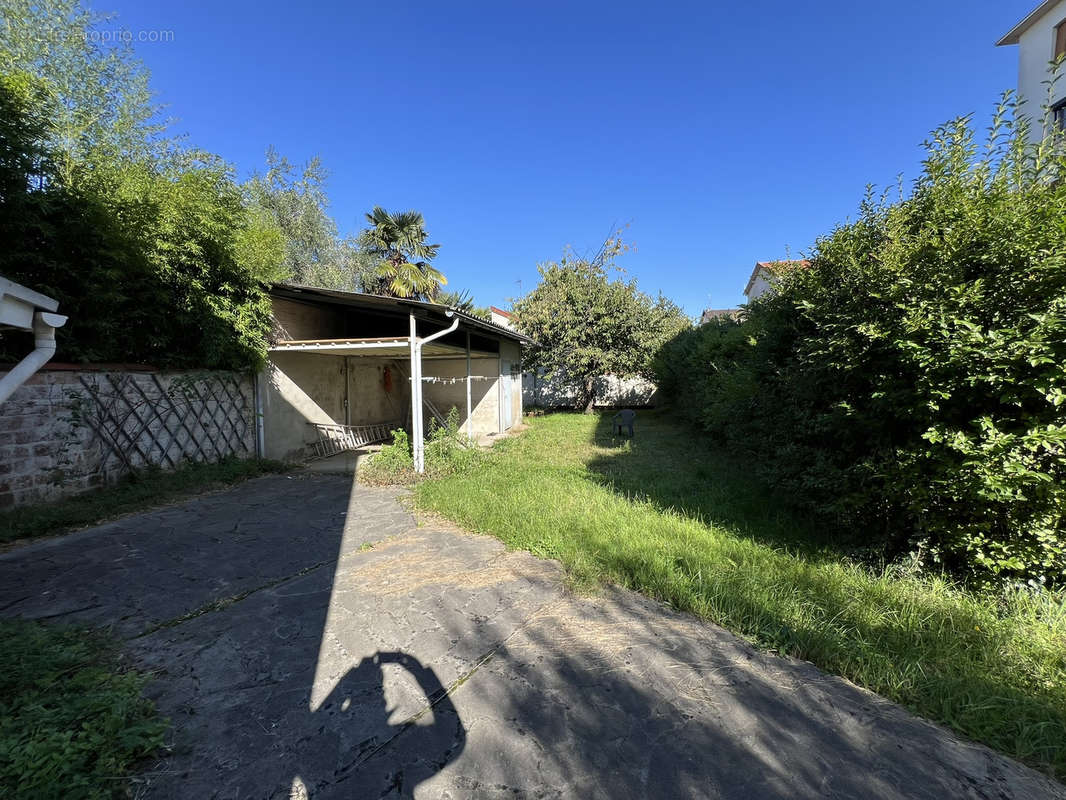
<point x="1041" y="39"/>
<point x="762" y="277"/>
<point x="710" y="314"/>
<point x="501" y="317"/>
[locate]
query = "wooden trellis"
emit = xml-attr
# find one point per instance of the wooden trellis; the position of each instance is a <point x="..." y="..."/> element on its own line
<point x="142" y="422"/>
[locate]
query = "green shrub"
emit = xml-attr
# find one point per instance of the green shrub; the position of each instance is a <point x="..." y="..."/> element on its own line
<point x="153" y="263"/>
<point x="447" y="451"/>
<point x="909" y="383"/>
<point x="72" y="723"/>
<point x="393" y="463"/>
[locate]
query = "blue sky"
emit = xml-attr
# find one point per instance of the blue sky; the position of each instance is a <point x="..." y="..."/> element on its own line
<point x="724" y="133"/>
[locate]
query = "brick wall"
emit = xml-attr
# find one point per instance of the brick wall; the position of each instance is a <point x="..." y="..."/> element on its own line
<point x="68" y="430"/>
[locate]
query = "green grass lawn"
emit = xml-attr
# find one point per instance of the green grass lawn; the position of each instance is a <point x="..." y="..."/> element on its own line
<point x="666" y="515"/>
<point x="135" y="492"/>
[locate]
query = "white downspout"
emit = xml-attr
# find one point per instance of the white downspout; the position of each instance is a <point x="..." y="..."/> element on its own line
<point x="416" y="397"/>
<point x="260" y="432"/>
<point x="469" y="413"/>
<point x="44" y="341"/>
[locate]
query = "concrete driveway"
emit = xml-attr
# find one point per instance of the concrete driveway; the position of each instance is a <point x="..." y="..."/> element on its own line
<point x="310" y="640"/>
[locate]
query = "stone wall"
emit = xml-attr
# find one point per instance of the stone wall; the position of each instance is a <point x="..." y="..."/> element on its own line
<point x="68" y="430"/>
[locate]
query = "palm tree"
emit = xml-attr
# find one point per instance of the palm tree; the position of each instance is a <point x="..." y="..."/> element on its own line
<point x="399" y="241"/>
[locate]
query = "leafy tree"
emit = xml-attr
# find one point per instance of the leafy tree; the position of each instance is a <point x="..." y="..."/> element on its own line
<point x="260" y="247"/>
<point x="146" y="262"/>
<point x="463" y="301"/>
<point x="587" y="325"/>
<point x="398" y="243"/>
<point x="295" y="200"/>
<point x="155" y="259"/>
<point x="95" y="95"/>
<point x="909" y="385"/>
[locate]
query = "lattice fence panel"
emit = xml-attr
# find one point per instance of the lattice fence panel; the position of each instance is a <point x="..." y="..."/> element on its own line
<point x="146" y="419"/>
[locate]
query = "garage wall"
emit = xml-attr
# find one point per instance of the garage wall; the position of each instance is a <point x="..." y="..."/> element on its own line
<point x="295" y="321"/>
<point x="512" y="352"/>
<point x="484" y="394"/>
<point x="370" y="402"/>
<point x="299" y="388"/>
<point x="302" y="387"/>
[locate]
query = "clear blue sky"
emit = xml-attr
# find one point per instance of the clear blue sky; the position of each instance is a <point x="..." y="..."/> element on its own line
<point x="724" y="132"/>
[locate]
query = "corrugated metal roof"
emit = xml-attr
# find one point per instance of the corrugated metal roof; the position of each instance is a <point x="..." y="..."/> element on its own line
<point x="292" y="290"/>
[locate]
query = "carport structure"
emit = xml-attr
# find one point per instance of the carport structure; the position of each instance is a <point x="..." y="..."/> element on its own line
<point x="345" y="366"/>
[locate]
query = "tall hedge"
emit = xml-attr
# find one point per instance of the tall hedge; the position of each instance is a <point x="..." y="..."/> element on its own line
<point x="910" y="385"/>
<point x="146" y="260"/>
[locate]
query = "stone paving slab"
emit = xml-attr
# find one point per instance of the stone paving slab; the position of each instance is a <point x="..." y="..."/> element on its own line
<point x="310" y="641"/>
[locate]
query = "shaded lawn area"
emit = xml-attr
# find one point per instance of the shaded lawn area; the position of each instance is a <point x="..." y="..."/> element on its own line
<point x="73" y="722"/>
<point x="666" y="515"/>
<point x="136" y="492"/>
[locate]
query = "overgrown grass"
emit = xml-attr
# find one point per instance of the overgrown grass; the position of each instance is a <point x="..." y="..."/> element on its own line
<point x="664" y="515"/>
<point x="134" y="493"/>
<point x="447" y="452"/>
<point x="72" y="721"/>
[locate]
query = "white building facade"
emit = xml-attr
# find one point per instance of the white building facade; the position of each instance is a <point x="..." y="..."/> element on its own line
<point x="1041" y="40"/>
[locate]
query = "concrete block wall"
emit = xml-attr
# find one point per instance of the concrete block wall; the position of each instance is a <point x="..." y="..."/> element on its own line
<point x="484" y="394"/>
<point x="302" y="388"/>
<point x="611" y="391"/>
<point x="48" y="451"/>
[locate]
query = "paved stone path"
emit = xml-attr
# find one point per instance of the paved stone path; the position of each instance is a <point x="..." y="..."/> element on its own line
<point x="311" y="641"/>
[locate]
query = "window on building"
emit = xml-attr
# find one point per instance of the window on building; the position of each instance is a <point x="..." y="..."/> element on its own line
<point x="1058" y="115"/>
<point x="1060" y="40"/>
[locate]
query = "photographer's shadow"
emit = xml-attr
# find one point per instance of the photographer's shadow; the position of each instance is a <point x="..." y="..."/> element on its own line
<point x="380" y="751"/>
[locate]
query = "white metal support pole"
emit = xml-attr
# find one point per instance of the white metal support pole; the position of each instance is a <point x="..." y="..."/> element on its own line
<point x="469" y="421"/>
<point x="419" y="449"/>
<point x="416" y="398"/>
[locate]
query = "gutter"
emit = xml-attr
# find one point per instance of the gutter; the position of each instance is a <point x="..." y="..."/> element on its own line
<point x="44" y="340"/>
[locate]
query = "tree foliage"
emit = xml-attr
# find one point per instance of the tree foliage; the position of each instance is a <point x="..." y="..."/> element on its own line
<point x="94" y="93"/>
<point x="587" y="324"/>
<point x="399" y="244"/>
<point x="155" y="260"/>
<point x="909" y="384"/>
<point x="294" y="202"/>
<point x="463" y="301"/>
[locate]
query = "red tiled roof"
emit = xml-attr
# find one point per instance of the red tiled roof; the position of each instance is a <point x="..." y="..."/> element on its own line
<point x="501" y="312"/>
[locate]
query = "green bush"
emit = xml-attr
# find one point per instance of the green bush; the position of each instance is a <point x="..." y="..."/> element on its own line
<point x="72" y="723"/>
<point x="155" y="263"/>
<point x="909" y="383"/>
<point x="447" y="452"/>
<point x="393" y="463"/>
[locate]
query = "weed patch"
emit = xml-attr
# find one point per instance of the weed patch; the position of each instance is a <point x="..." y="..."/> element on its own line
<point x="72" y="721"/>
